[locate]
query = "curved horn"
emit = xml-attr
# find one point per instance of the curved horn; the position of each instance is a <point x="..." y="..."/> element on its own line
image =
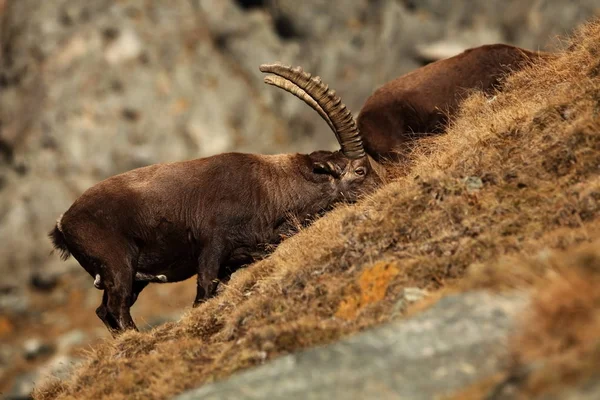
<point x="290" y="87"/>
<point x="344" y="126"/>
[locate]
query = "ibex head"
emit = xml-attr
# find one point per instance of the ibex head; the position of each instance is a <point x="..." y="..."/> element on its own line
<point x="352" y="169"/>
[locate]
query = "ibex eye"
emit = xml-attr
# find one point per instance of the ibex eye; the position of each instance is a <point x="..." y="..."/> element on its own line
<point x="360" y="171"/>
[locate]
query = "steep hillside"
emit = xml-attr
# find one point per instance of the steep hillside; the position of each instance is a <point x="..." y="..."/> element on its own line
<point x="516" y="177"/>
<point x="92" y="88"/>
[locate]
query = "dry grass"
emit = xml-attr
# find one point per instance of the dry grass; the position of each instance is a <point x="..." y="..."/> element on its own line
<point x="533" y="158"/>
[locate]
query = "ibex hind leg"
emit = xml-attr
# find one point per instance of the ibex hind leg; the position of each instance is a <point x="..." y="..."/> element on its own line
<point x="119" y="285"/>
<point x="138" y="286"/>
<point x="117" y="278"/>
<point x="105" y="317"/>
<point x="209" y="263"/>
<point x="111" y="261"/>
<point x="90" y="264"/>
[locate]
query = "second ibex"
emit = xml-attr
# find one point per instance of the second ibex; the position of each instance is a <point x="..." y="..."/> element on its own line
<point x="420" y="103"/>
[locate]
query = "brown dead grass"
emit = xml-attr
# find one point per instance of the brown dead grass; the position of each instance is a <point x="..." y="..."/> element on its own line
<point x="535" y="149"/>
<point x="50" y="318"/>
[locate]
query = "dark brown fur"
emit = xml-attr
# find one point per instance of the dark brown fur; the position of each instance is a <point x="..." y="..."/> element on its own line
<point x="419" y="103"/>
<point x="196" y="217"/>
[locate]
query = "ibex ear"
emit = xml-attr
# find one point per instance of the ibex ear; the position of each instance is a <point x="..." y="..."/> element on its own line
<point x="328" y="168"/>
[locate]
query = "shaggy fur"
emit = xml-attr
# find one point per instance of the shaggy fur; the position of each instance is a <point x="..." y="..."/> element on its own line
<point x="168" y="222"/>
<point x="421" y="102"/>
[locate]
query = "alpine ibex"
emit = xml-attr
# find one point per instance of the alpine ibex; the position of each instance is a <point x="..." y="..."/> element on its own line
<point x="168" y="222"/>
<point x="420" y="103"/>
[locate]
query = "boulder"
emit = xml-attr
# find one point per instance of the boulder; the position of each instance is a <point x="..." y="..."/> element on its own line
<point x="455" y="343"/>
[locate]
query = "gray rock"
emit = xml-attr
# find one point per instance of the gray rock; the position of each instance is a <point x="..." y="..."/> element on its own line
<point x="71" y="339"/>
<point x="456" y="342"/>
<point x="23" y="386"/>
<point x="58" y="367"/>
<point x="43" y="281"/>
<point x="408" y="296"/>
<point x="13" y="300"/>
<point x="473" y="183"/>
<point x="35" y="348"/>
<point x="414" y="294"/>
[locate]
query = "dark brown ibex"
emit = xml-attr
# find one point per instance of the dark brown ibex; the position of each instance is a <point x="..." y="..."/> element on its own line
<point x="168" y="222"/>
<point x="420" y="103"/>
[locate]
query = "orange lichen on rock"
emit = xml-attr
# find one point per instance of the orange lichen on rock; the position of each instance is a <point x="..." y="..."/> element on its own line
<point x="373" y="284"/>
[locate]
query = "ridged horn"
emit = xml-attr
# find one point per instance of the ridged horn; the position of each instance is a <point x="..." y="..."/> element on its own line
<point x="290" y="87"/>
<point x="312" y="90"/>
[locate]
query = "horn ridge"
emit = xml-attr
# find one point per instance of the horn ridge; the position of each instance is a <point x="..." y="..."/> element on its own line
<point x="290" y="87"/>
<point x="343" y="122"/>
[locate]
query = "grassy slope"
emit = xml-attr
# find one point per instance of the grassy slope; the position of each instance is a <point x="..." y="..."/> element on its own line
<point x="535" y="149"/>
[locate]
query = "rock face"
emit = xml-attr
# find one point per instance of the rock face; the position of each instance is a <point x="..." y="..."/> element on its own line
<point x="90" y="89"/>
<point x="455" y="343"/>
<point x="58" y="367"/>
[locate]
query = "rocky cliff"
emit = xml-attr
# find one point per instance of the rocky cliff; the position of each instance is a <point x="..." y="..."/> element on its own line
<point x="90" y="89"/>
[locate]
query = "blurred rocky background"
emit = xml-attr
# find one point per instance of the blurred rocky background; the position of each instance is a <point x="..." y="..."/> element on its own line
<point x="92" y="88"/>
